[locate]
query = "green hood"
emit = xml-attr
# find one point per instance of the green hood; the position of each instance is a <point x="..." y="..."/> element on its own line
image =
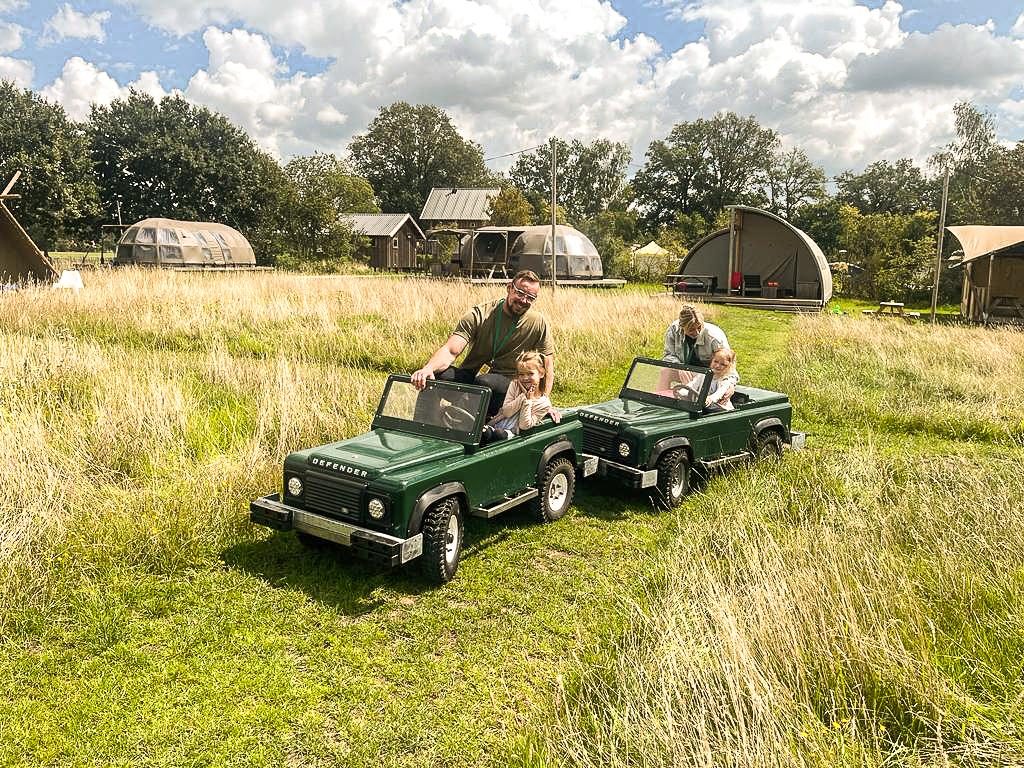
<point x="370" y="455"/>
<point x="628" y="412"/>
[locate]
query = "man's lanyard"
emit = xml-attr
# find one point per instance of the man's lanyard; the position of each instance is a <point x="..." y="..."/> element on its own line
<point x="496" y="346"/>
<point x="689" y="350"/>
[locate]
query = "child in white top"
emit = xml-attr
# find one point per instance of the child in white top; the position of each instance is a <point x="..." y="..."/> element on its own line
<point x="723" y="380"/>
<point x="524" y="405"/>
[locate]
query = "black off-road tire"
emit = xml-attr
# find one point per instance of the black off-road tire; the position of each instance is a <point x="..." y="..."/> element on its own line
<point x="443" y="533"/>
<point x="673" y="478"/>
<point x="768" y="446"/>
<point x="557" y="483"/>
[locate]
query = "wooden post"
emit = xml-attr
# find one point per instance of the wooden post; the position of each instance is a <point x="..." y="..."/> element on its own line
<point x="554" y="210"/>
<point x="938" y="249"/>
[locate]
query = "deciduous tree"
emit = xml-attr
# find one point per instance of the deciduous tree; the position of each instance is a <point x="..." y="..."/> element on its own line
<point x="885" y="187"/>
<point x="59" y="199"/>
<point x="408" y="150"/>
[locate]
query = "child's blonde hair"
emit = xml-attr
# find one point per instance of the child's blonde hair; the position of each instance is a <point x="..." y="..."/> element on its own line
<point x="730" y="356"/>
<point x="532" y="361"/>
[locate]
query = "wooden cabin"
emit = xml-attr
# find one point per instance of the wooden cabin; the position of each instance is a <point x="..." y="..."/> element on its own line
<point x="395" y="239"/>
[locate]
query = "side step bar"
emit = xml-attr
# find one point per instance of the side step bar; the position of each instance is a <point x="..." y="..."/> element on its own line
<point x="723" y="461"/>
<point x="508" y="503"/>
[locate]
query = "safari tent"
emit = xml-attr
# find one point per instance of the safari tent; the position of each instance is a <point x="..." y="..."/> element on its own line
<point x="759" y="260"/>
<point x="191" y="245"/>
<point x="993" y="264"/>
<point x="20" y="260"/>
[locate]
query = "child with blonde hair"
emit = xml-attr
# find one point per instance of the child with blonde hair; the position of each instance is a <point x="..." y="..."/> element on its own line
<point x="723" y="379"/>
<point x="525" y="403"/>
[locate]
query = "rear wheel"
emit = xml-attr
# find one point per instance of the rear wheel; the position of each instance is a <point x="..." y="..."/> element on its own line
<point x="768" y="446"/>
<point x="673" y="478"/>
<point x="442" y="540"/>
<point x="557" y="484"/>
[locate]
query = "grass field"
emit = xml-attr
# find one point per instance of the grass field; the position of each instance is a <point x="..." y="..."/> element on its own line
<point x="861" y="604"/>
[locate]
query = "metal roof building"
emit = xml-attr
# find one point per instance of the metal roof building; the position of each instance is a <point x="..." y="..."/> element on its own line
<point x="467" y="207"/>
<point x="395" y="238"/>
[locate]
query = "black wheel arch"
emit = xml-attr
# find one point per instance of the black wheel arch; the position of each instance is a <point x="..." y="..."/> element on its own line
<point x="556" y="448"/>
<point x="770" y="423"/>
<point x="667" y="444"/>
<point x="427" y="498"/>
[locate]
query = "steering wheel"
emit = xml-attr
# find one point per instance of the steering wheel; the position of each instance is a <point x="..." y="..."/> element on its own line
<point x="454" y="417"/>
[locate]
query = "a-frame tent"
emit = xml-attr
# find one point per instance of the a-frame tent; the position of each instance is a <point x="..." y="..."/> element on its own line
<point x="20" y="260"/>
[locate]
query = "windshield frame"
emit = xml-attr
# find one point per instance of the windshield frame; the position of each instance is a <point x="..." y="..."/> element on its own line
<point x="410" y="426"/>
<point x="695" y="406"/>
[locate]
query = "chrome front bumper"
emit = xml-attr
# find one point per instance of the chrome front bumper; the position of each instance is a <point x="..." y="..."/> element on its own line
<point x="630" y="476"/>
<point x="371" y="545"/>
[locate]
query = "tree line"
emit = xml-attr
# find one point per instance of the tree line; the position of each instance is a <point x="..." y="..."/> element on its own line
<point x="139" y="157"/>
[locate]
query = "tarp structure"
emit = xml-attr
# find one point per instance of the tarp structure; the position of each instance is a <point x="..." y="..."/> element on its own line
<point x="993" y="262"/>
<point x="494" y="251"/>
<point x="184" y="245"/>
<point x="760" y="256"/>
<point x="651" y="249"/>
<point x="20" y="260"/>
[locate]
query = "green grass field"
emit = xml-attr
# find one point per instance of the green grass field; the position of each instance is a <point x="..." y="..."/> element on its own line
<point x="859" y="604"/>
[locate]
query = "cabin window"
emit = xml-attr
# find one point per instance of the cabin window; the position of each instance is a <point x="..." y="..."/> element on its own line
<point x="394" y="243"/>
<point x="170" y="252"/>
<point x="207" y="254"/>
<point x="146" y="235"/>
<point x="129" y="236"/>
<point x="145" y="252"/>
<point x="167" y="236"/>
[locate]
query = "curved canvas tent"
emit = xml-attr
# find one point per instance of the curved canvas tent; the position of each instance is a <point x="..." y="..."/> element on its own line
<point x="576" y="258"/>
<point x="993" y="264"/>
<point x="759" y="256"/>
<point x="493" y="250"/>
<point x="184" y="244"/>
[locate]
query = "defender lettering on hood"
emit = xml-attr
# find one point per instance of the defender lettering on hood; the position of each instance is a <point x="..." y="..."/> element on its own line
<point x="601" y="419"/>
<point x="343" y="469"/>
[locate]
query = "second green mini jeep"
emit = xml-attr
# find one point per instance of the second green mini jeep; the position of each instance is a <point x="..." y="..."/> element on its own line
<point x="660" y="428"/>
<point x="401" y="491"/>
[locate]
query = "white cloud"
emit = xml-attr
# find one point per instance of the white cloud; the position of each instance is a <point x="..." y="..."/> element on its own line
<point x="6" y="6"/>
<point x="82" y="84"/>
<point x="841" y="79"/>
<point x="10" y="37"/>
<point x="69" y="23"/>
<point x="19" y="71"/>
<point x="1018" y="27"/>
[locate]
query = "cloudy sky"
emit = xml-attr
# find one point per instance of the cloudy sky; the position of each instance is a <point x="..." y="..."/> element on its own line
<point x="849" y="82"/>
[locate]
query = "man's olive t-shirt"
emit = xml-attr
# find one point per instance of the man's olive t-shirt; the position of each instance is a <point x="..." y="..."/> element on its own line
<point x="496" y="338"/>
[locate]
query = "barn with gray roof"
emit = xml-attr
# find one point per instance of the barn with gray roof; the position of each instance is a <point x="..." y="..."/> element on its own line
<point x="396" y="241"/>
<point x="458" y="207"/>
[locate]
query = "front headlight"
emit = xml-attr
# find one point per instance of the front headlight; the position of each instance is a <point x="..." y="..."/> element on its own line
<point x="375" y="508"/>
<point x="294" y="486"/>
<point x="624" y="450"/>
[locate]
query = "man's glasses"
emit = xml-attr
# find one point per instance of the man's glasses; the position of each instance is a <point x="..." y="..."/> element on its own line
<point x="529" y="298"/>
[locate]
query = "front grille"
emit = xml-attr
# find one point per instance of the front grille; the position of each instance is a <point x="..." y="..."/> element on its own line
<point x="600" y="442"/>
<point x="332" y="496"/>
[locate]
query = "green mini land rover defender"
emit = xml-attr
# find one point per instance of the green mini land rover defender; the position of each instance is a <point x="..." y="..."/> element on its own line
<point x="400" y="492"/>
<point x="660" y="428"/>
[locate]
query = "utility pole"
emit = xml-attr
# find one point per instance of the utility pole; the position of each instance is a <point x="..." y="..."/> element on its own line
<point x="938" y="250"/>
<point x="554" y="208"/>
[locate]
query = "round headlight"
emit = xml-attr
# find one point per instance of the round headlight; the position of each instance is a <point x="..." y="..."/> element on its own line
<point x="623" y="449"/>
<point x="376" y="509"/>
<point x="294" y="486"/>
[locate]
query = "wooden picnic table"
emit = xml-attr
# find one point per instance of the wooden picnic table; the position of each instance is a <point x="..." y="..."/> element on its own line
<point x="891" y="309"/>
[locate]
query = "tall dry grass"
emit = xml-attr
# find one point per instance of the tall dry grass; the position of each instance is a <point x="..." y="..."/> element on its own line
<point x="862" y="604"/>
<point x="139" y="416"/>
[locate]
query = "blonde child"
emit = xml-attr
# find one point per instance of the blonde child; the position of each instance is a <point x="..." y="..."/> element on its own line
<point x="525" y="404"/>
<point x="723" y="379"/>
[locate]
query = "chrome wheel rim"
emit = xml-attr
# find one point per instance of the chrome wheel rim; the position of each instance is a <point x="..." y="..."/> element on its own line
<point x="558" y="492"/>
<point x="451" y="547"/>
<point x="676" y="486"/>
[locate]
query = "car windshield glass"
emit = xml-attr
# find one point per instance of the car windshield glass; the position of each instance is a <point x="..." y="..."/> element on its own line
<point x="441" y="409"/>
<point x="683" y="386"/>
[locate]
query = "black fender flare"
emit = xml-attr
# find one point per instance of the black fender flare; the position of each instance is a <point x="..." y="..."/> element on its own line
<point x="667" y="444"/>
<point x="427" y="498"/>
<point x="770" y="422"/>
<point x="557" y="448"/>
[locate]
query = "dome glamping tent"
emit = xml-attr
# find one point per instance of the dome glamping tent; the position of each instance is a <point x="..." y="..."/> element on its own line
<point x="759" y="260"/>
<point x="184" y="245"/>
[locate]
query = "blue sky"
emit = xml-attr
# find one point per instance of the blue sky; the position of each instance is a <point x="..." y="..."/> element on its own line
<point x="849" y="82"/>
